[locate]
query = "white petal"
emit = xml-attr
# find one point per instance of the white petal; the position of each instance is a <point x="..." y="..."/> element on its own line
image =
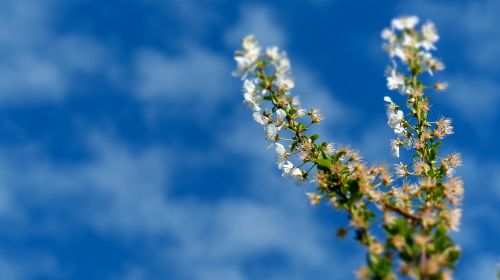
<point x="260" y="118"/>
<point x="281" y="114"/>
<point x="249" y="86"/>
<point x="271" y="132"/>
<point x="280" y="149"/>
<point x="395" y="148"/>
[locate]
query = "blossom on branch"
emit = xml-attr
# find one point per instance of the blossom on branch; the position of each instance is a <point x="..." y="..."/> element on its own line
<point x="415" y="206"/>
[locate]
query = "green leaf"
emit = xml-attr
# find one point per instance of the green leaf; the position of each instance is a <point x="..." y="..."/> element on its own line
<point x="453" y="256"/>
<point x="381" y="267"/>
<point x="433" y="153"/>
<point x="353" y="187"/>
<point x="324" y="163"/>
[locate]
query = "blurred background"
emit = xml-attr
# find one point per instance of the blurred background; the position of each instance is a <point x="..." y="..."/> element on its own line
<point x="126" y="152"/>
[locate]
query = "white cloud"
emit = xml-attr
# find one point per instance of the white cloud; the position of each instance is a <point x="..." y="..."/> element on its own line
<point x="9" y="270"/>
<point x="198" y="75"/>
<point x="374" y="142"/>
<point x="481" y="200"/>
<point x="194" y="17"/>
<point x="315" y="94"/>
<point x="37" y="63"/>
<point x="474" y="98"/>
<point x="485" y="267"/>
<point x="33" y="266"/>
<point x="127" y="194"/>
<point x="259" y="21"/>
<point x="481" y="172"/>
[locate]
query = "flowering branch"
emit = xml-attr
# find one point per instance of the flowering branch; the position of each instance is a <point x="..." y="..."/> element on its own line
<point x="418" y="207"/>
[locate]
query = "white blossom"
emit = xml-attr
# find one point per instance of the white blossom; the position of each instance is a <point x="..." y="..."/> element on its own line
<point x="453" y="218"/>
<point x="273" y="53"/>
<point x="400" y="169"/>
<point x="281" y="155"/>
<point x="389" y="35"/>
<point x="393" y="47"/>
<point x="246" y="59"/>
<point x="395" y="80"/>
<point x="330" y="148"/>
<point x="245" y="65"/>
<point x="410" y="41"/>
<point x="249" y="87"/>
<point x="280" y="115"/>
<point x="249" y="95"/>
<point x="271" y="132"/>
<point x="450" y="172"/>
<point x="249" y="100"/>
<point x="432" y="64"/>
<point x="404" y="22"/>
<point x="394" y="117"/>
<point x="296" y="100"/>
<point x="287" y="168"/>
<point x="446" y="125"/>
<point x="430" y="36"/>
<point x="316" y="115"/>
<point x="297" y="176"/>
<point x="284" y="84"/>
<point x="292" y="172"/>
<point x="301" y="112"/>
<point x="283" y="66"/>
<point x="395" y="148"/>
<point x="260" y="118"/>
<point x="251" y="47"/>
<point x="314" y="198"/>
<point x="400" y="53"/>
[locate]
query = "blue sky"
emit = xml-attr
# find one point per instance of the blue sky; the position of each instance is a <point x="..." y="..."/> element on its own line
<point x="126" y="153"/>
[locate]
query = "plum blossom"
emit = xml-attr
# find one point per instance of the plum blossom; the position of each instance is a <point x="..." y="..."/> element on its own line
<point x="314" y="198"/>
<point x="250" y="98"/>
<point x="272" y="132"/>
<point x="280" y="115"/>
<point x="260" y="118"/>
<point x="410" y="40"/>
<point x="453" y="218"/>
<point x="287" y="168"/>
<point x="389" y="35"/>
<point x="246" y="58"/>
<point x="281" y="155"/>
<point x="404" y="22"/>
<point x="283" y="66"/>
<point x="395" y="80"/>
<point x="419" y="194"/>
<point x="394" y="117"/>
<point x="297" y="176"/>
<point x="285" y="84"/>
<point x="273" y="53"/>
<point x="292" y="172"/>
<point x="395" y="144"/>
<point x="430" y="36"/>
<point x="251" y="47"/>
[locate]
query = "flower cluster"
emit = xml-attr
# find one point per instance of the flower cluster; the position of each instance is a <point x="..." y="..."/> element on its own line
<point x="413" y="48"/>
<point x="429" y="186"/>
<point x="267" y="77"/>
<point x="418" y="205"/>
